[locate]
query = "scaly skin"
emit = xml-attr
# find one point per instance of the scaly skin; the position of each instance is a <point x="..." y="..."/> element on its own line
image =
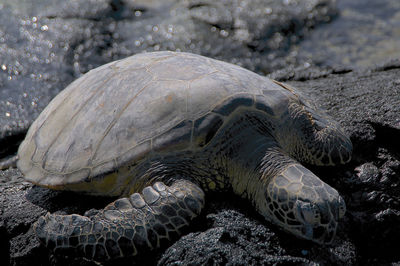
<point x="126" y="226"/>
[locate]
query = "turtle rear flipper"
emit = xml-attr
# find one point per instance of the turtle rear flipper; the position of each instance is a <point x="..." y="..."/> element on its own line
<point x="126" y="226"/>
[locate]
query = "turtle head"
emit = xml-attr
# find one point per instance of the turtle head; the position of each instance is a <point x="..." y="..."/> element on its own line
<point x="310" y="135"/>
<point x="301" y="204"/>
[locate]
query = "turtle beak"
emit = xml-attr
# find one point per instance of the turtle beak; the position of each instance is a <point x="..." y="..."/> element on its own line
<point x="319" y="221"/>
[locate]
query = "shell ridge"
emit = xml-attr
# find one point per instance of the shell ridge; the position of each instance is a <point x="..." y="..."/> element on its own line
<point x="72" y="118"/>
<point x="115" y="119"/>
<point x="34" y="135"/>
<point x="237" y="80"/>
<point x="58" y="173"/>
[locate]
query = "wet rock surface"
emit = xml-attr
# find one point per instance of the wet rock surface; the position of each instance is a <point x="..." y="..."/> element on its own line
<point x="45" y="45"/>
<point x="363" y="35"/>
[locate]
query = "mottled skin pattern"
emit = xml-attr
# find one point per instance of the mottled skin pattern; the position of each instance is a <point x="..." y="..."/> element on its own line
<point x="173" y="126"/>
<point x="126" y="226"/>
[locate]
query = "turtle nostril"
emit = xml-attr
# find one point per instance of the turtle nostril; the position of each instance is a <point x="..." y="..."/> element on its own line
<point x="307" y="212"/>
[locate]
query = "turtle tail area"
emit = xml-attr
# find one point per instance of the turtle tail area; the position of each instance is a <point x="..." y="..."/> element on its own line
<point x="127" y="227"/>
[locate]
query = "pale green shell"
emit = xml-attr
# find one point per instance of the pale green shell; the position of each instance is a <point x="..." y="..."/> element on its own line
<point x="126" y="110"/>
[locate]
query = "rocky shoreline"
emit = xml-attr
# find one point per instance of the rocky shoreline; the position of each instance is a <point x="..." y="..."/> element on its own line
<point x="46" y="47"/>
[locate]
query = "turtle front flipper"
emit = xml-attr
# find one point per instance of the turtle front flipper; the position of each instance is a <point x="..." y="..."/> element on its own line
<point x="126" y="226"/>
<point x="292" y="197"/>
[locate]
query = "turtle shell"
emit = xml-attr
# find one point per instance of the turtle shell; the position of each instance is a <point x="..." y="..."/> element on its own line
<point x="127" y="110"/>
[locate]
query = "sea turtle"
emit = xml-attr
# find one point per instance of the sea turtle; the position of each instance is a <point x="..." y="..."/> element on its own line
<point x="174" y="126"/>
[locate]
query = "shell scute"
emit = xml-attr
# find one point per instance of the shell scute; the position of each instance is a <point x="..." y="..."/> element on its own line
<point x="206" y="91"/>
<point x="63" y="113"/>
<point x="187" y="70"/>
<point x="263" y="106"/>
<point x="135" y="153"/>
<point x="276" y="99"/>
<point x="176" y="138"/>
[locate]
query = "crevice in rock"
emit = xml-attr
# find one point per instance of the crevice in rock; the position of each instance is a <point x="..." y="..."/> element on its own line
<point x="4" y="244"/>
<point x="389" y="65"/>
<point x="9" y="144"/>
<point x="12" y="232"/>
<point x="387" y="137"/>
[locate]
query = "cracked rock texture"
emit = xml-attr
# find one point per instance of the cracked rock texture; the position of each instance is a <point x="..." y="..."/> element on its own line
<point x="349" y="70"/>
